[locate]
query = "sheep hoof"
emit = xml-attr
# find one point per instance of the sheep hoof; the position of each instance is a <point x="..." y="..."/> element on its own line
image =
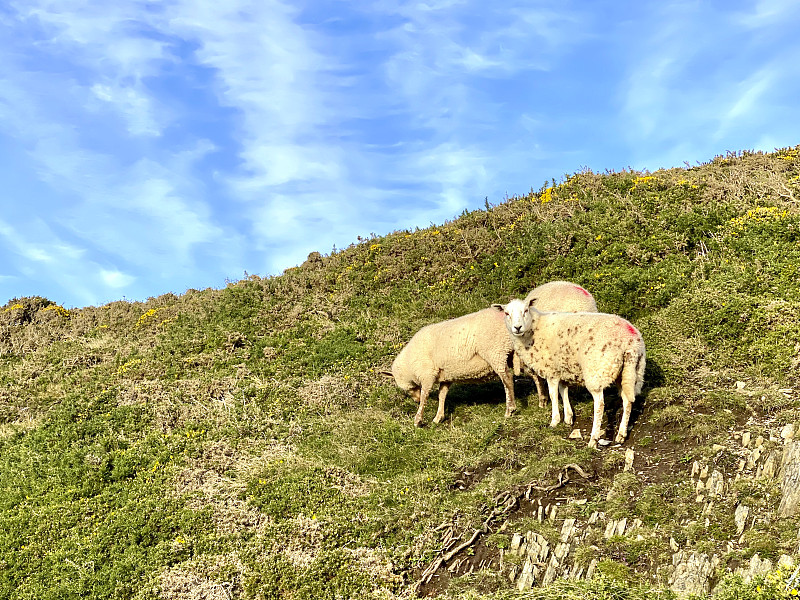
<point x="592" y="443"/>
<point x="542" y="403"/>
<point x="554" y="423"/>
<point x="620" y="438"/>
<point x="438" y="419"/>
<point x="418" y="421"/>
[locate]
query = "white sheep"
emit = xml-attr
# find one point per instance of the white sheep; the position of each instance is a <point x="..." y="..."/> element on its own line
<point x="590" y="349"/>
<point x="559" y="296"/>
<point x="467" y="348"/>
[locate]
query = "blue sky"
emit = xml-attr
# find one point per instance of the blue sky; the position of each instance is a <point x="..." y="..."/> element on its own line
<point x="155" y="146"/>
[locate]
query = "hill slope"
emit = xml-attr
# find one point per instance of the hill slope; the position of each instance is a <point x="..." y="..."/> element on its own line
<point x="237" y="443"/>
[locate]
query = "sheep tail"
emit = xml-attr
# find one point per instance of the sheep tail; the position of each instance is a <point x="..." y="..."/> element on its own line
<point x="633" y="370"/>
<point x="385" y="372"/>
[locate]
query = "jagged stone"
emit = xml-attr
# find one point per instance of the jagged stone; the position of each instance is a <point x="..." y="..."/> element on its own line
<point x="715" y="484"/>
<point x="590" y="570"/>
<point x="786" y="561"/>
<point x="790" y="481"/>
<point x="575" y="434"/>
<point x="593" y="519"/>
<point x="752" y="459"/>
<point x="759" y="441"/>
<point x="621" y="526"/>
<point x="673" y="544"/>
<point x="787" y="433"/>
<point x="567" y="529"/>
<point x="757" y="566"/>
<point x="536" y="549"/>
<point x="740" y="517"/>
<point x="770" y="466"/>
<point x="746" y="439"/>
<point x="629" y="454"/>
<point x="691" y="575"/>
<point x="695" y="469"/>
<point x="611" y="529"/>
<point x="740" y="385"/>
<point x="530" y="572"/>
<point x="704" y="472"/>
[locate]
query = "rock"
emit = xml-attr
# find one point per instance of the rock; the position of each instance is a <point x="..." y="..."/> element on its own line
<point x="567" y="529"/>
<point x="611" y="529"/>
<point x="756" y="567"/>
<point x="787" y="433"/>
<point x="629" y="454"/>
<point x="740" y="385"/>
<point x="575" y="434"/>
<point x="790" y="482"/>
<point x="673" y="544"/>
<point x="695" y="469"/>
<point x="590" y="569"/>
<point x="786" y="561"/>
<point x="759" y="441"/>
<point x="603" y="442"/>
<point x="770" y="466"/>
<point x="621" y="526"/>
<point x="717" y="448"/>
<point x="691" y="575"/>
<point x="746" y="439"/>
<point x="715" y="484"/>
<point x="740" y="517"/>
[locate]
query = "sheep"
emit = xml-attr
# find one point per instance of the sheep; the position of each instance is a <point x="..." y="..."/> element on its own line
<point x="561" y="296"/>
<point x="591" y="349"/>
<point x="467" y="348"/>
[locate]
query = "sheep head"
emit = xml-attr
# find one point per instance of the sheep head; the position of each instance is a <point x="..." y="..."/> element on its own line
<point x="520" y="316"/>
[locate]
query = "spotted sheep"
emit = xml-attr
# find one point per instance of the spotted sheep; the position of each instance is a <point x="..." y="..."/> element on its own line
<point x="560" y="296"/>
<point x="595" y="350"/>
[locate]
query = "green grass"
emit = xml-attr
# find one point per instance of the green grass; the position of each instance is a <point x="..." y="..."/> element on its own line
<point x="242" y="438"/>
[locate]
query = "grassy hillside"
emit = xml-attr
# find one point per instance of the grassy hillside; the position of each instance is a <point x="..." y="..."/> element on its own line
<point x="238" y="443"/>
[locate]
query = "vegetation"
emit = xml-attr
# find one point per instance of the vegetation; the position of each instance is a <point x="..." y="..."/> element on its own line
<point x="240" y="443"/>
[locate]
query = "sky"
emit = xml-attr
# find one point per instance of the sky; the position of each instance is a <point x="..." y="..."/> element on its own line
<point x="158" y="146"/>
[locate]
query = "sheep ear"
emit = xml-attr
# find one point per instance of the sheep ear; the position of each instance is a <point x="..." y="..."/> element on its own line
<point x="498" y="307"/>
<point x="531" y="302"/>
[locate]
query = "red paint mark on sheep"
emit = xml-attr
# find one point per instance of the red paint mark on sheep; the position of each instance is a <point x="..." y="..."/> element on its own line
<point x="631" y="329"/>
<point x="580" y="289"/>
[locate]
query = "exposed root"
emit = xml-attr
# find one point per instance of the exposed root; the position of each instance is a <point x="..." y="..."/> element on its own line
<point x="504" y="503"/>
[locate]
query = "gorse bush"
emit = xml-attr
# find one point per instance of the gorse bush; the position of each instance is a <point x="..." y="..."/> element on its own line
<point x="242" y="442"/>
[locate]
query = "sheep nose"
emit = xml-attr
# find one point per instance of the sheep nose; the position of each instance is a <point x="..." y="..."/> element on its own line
<point x="517" y="328"/>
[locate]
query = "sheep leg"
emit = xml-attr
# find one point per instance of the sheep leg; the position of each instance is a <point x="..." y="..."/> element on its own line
<point x="599" y="407"/>
<point x="422" y="396"/>
<point x="627" y="403"/>
<point x="443" y="387"/>
<point x="540" y="390"/>
<point x="553" y="385"/>
<point x="564" y="393"/>
<point x="507" y="377"/>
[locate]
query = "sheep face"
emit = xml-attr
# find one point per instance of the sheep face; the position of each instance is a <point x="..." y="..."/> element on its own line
<point x="520" y="316"/>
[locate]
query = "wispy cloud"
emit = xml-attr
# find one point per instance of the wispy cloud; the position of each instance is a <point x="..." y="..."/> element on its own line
<point x="174" y="144"/>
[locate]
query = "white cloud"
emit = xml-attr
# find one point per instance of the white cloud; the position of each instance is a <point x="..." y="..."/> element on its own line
<point x="116" y="279"/>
